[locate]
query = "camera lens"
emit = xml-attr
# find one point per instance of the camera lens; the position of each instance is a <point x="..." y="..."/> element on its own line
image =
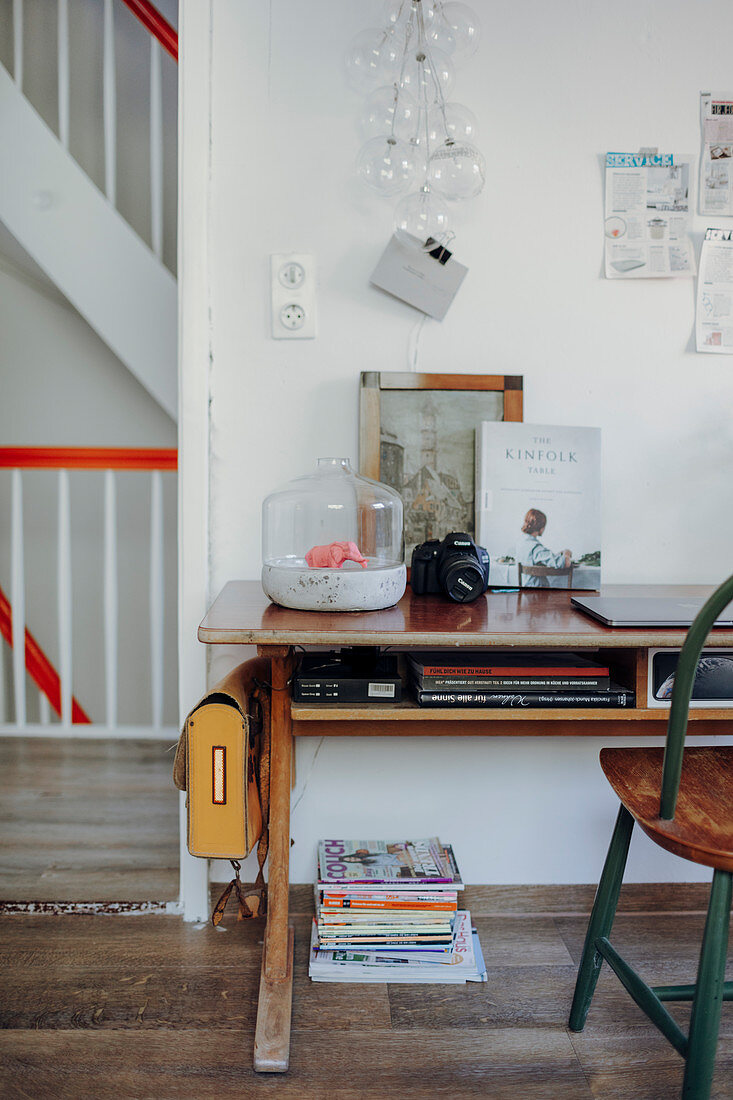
<point x="461" y="578"/>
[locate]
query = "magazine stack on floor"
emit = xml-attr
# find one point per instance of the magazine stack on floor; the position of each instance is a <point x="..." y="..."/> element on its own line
<point x="387" y="911"/>
<point x="512" y="680"/>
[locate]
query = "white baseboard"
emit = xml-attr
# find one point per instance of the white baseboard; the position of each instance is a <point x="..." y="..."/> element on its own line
<point x="87" y="731"/>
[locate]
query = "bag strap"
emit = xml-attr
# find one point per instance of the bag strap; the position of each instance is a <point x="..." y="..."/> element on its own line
<point x="253" y="903"/>
<point x="256" y="897"/>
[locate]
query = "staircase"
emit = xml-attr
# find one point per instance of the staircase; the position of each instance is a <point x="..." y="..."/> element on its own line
<point x="73" y="230"/>
<point x="91" y="197"/>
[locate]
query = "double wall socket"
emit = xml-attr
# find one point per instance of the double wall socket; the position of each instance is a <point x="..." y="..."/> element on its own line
<point x="293" y="290"/>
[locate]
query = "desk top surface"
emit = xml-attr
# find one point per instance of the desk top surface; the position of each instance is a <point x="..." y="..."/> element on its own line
<point x="243" y="615"/>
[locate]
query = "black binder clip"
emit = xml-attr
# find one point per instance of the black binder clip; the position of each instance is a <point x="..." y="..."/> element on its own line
<point x="441" y="254"/>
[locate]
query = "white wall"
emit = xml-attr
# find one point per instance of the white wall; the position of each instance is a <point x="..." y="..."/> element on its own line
<point x="553" y="87"/>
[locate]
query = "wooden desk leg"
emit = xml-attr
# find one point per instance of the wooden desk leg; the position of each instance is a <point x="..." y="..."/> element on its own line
<point x="272" y="1032"/>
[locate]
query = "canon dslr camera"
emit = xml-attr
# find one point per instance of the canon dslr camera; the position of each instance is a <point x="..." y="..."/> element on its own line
<point x="456" y="567"/>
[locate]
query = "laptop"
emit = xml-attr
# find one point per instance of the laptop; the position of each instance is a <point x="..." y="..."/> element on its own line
<point x="646" y="610"/>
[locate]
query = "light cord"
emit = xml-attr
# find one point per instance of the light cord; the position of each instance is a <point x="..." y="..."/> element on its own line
<point x="413" y="343"/>
<point x="307" y="778"/>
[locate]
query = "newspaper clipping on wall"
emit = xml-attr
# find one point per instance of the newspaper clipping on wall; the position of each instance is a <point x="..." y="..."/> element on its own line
<point x="716" y="157"/>
<point x="714" y="325"/>
<point x="648" y="216"/>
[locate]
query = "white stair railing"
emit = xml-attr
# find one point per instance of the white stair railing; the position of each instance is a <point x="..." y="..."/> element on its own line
<point x="30" y="666"/>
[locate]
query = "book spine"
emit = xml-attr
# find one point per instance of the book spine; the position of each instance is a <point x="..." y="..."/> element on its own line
<point x="512" y="683"/>
<point x="391" y="906"/>
<point x="338" y="892"/>
<point x="517" y="701"/>
<point x="330" y="888"/>
<point x="325" y="884"/>
<point x="345" y="931"/>
<point x="484" y="671"/>
<point x="396" y="941"/>
<point x="382" y="916"/>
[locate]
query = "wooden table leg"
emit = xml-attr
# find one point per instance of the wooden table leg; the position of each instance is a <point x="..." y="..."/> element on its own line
<point x="272" y="1032"/>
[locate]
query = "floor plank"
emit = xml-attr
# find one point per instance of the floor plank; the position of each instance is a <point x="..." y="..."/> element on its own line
<point x="87" y="820"/>
<point x="537" y="898"/>
<point x="642" y="937"/>
<point x="531" y="941"/>
<point x="637" y="1063"/>
<point x="65" y="881"/>
<point x="513" y="997"/>
<point x="533" y="1065"/>
<point x="157" y="972"/>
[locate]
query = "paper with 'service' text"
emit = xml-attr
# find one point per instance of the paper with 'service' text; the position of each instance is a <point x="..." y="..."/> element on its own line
<point x="647" y="225"/>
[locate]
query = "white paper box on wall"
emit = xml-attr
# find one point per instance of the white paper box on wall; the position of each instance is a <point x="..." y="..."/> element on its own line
<point x="419" y="278"/>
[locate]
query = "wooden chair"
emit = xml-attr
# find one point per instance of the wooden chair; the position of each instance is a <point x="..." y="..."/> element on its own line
<point x="545" y="571"/>
<point x="692" y="817"/>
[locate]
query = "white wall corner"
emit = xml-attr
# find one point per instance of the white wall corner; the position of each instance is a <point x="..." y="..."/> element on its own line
<point x="195" y="356"/>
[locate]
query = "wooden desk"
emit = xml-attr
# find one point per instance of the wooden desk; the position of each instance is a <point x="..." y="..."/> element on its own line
<point x="243" y="615"/>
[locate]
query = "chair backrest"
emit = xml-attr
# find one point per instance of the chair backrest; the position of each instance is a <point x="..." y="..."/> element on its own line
<point x="545" y="571"/>
<point x="684" y="680"/>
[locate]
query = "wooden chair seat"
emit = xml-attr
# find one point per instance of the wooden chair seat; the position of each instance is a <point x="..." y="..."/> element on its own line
<point x="702" y="827"/>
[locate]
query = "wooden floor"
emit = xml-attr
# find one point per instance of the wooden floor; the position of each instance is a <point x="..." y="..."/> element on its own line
<point x="147" y="1006"/>
<point x="87" y="820"/>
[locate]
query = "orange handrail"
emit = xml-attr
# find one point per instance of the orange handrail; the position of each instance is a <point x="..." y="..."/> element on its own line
<point x="89" y="458"/>
<point x="156" y="24"/>
<point x="40" y="669"/>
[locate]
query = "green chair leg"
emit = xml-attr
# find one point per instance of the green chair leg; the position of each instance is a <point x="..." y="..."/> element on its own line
<point x="601" y="918"/>
<point x="708" y="1000"/>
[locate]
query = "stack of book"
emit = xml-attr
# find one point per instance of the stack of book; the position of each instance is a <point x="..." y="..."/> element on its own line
<point x="387" y="911"/>
<point x="494" y="679"/>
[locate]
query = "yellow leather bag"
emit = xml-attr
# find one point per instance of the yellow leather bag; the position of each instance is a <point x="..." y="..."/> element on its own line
<point x="217" y="763"/>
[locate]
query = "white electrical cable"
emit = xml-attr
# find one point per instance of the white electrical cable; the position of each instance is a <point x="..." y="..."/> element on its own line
<point x="413" y="343"/>
<point x="307" y="778"/>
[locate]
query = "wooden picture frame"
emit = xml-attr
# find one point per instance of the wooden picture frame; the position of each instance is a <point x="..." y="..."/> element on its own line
<point x="417" y="434"/>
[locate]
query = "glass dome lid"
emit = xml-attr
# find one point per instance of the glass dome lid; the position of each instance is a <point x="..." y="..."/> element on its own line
<point x="329" y="533"/>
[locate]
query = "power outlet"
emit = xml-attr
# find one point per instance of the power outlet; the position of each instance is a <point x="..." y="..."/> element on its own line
<point x="293" y="294"/>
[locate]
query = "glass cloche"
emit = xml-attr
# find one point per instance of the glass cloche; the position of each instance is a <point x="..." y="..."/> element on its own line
<point x="332" y="541"/>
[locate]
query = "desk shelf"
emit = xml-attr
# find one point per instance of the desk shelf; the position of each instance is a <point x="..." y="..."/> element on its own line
<point x="411" y="712"/>
<point x="407" y="719"/>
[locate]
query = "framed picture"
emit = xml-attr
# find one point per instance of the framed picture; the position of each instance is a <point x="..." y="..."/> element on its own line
<point x="417" y="433"/>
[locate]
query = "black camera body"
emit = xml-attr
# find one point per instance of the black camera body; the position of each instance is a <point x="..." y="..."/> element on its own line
<point x="455" y="567"/>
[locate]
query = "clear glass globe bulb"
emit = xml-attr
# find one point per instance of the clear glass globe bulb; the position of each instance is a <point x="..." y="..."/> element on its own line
<point x="427" y="74"/>
<point x="440" y="36"/>
<point x="370" y="60"/>
<point x="422" y="217"/>
<point x="463" y="25"/>
<point x="391" y="54"/>
<point x="389" y="110"/>
<point x="387" y="165"/>
<point x="457" y="171"/>
<point x="456" y="122"/>
<point x="398" y="13"/>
